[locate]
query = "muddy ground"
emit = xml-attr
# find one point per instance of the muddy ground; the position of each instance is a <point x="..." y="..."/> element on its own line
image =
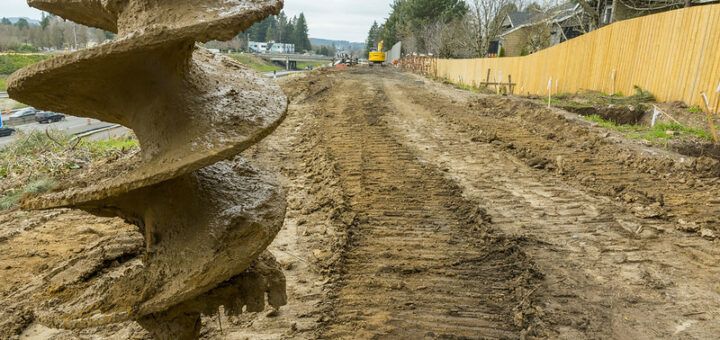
<point x="417" y="210"/>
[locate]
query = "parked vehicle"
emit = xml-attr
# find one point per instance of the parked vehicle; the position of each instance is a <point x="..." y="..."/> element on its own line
<point x="48" y="117"/>
<point x="28" y="111"/>
<point x="24" y="116"/>
<point x="6" y="131"/>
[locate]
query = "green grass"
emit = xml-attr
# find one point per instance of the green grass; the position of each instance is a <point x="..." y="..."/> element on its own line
<point x="258" y="64"/>
<point x="661" y="133"/>
<point x="695" y="109"/>
<point x="10" y="63"/>
<point x="3" y="83"/>
<point x="610" y="125"/>
<point x="38" y="186"/>
<point x="302" y="66"/>
<point x="110" y="144"/>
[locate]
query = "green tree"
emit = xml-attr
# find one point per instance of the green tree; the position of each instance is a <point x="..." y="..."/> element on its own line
<point x="302" y="41"/>
<point x="45" y="22"/>
<point x="270" y="33"/>
<point x="372" y="39"/>
<point x="5" y="21"/>
<point x="22" y="24"/>
<point x="409" y="18"/>
<point x="289" y="37"/>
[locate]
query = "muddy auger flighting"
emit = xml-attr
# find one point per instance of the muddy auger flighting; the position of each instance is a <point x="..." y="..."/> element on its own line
<point x="206" y="216"/>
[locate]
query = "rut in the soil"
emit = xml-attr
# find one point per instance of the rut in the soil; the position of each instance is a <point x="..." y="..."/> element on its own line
<point x="421" y="262"/>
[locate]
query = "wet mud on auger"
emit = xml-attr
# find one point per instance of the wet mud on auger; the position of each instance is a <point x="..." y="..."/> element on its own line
<point x="206" y="216"/>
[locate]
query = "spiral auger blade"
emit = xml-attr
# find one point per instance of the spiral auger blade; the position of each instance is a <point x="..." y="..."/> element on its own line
<point x="206" y="220"/>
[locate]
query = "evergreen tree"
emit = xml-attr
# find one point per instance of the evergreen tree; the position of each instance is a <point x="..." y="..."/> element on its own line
<point x="45" y="21"/>
<point x="5" y="21"/>
<point x="281" y="25"/>
<point x="302" y="41"/>
<point x="372" y="39"/>
<point x="22" y="24"/>
<point x="408" y="18"/>
<point x="290" y="32"/>
<point x="270" y="33"/>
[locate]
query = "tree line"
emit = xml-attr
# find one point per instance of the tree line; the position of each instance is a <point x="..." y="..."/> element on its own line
<point x="465" y="29"/>
<point x="444" y="28"/>
<point x="53" y="33"/>
<point x="276" y="28"/>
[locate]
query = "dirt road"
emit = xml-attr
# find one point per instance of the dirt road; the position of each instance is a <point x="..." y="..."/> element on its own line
<point x="492" y="218"/>
<point x="417" y="210"/>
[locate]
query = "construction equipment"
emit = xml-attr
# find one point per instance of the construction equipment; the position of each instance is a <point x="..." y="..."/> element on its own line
<point x="377" y="57"/>
<point x="348" y="60"/>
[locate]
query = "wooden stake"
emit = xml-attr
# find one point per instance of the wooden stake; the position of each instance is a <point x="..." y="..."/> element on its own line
<point x="709" y="116"/>
<point x="717" y="100"/>
<point x="510" y="84"/>
<point x="549" y="92"/>
<point x="487" y="79"/>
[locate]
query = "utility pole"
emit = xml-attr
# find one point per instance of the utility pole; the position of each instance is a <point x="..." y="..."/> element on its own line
<point x="75" y="34"/>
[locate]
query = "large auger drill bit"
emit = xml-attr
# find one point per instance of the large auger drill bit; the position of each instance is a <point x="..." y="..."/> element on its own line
<point x="206" y="225"/>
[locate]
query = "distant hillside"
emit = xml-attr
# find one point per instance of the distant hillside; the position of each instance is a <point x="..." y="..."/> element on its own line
<point x="13" y="20"/>
<point x="342" y="44"/>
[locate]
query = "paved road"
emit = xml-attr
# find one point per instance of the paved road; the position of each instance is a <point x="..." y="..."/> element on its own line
<point x="70" y="125"/>
<point x="281" y="74"/>
<point x="3" y="94"/>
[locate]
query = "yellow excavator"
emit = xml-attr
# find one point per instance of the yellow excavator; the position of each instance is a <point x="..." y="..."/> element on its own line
<point x="377" y="57"/>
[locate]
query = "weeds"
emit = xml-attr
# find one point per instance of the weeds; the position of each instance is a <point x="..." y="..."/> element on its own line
<point x="52" y="153"/>
<point x="10" y="63"/>
<point x="39" y="186"/>
<point x="695" y="109"/>
<point x="303" y="66"/>
<point x="642" y="96"/>
<point x="258" y="64"/>
<point x="611" y="125"/>
<point x="661" y="133"/>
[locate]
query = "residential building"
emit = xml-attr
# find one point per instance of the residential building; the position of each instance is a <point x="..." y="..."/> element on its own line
<point x="271" y="47"/>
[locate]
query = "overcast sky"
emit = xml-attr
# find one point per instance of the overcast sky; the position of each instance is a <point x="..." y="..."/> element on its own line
<point x="335" y="19"/>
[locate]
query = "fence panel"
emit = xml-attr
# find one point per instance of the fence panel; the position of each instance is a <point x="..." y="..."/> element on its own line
<point x="675" y="55"/>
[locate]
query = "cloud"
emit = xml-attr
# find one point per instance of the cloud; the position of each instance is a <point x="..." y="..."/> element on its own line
<point x="334" y="19"/>
<point x="340" y="19"/>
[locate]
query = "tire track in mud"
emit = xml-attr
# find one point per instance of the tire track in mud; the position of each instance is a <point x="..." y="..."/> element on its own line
<point x="421" y="263"/>
<point x="606" y="277"/>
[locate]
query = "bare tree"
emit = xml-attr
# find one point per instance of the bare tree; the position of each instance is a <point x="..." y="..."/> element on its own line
<point x="486" y="18"/>
<point x="449" y="40"/>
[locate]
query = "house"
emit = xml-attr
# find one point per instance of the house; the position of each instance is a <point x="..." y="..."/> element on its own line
<point x="282" y="48"/>
<point x="534" y="29"/>
<point x="526" y="32"/>
<point x="271" y="47"/>
<point x="257" y="47"/>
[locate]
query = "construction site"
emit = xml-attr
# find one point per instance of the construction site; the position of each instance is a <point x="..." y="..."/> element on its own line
<point x="420" y="198"/>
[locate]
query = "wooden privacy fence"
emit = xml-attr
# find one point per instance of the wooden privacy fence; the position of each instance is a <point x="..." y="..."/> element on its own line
<point x="422" y="65"/>
<point x="675" y="55"/>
